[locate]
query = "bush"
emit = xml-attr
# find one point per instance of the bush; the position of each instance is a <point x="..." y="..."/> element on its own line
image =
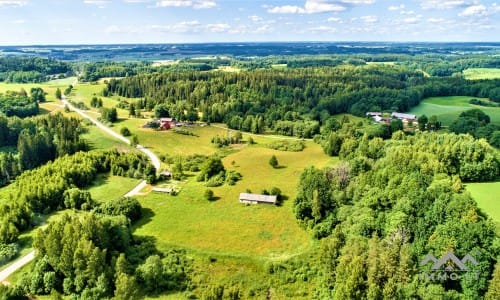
<point x="7" y="252"/>
<point x="209" y="194"/>
<point x="126" y="206"/>
<point x="286" y="145"/>
<point x="125" y="131"/>
<point x="274" y="162"/>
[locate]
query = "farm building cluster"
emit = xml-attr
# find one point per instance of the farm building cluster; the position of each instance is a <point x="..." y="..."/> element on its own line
<point x="163" y="124"/>
<point x="405" y="118"/>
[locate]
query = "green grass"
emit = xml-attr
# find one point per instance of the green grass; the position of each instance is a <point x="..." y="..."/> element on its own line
<point x="481" y="73"/>
<point x="447" y="109"/>
<point x="486" y="196"/>
<point x="98" y="139"/>
<point x="49" y="87"/>
<point x="84" y="92"/>
<point x="225" y="225"/>
<point x="107" y="187"/>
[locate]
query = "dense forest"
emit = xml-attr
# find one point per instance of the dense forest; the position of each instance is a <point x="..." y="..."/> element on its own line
<point x="292" y="101"/>
<point x="388" y="204"/>
<point x="31" y="69"/>
<point x="37" y="141"/>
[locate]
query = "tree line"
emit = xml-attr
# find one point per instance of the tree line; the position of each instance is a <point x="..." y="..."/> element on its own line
<point x="31" y="69"/>
<point x="253" y="100"/>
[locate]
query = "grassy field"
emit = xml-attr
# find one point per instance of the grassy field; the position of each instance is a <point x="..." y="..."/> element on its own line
<point x="486" y="196"/>
<point x="482" y="73"/>
<point x="49" y="87"/>
<point x="447" y="109"/>
<point x="225" y="225"/>
<point x="107" y="187"/>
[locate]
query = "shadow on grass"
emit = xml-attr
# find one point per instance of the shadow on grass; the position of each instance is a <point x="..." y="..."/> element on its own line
<point x="281" y="167"/>
<point x="147" y="216"/>
<point x="283" y="198"/>
<point x="214" y="198"/>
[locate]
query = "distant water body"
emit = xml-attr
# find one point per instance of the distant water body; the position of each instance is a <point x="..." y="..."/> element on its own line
<point x="178" y="51"/>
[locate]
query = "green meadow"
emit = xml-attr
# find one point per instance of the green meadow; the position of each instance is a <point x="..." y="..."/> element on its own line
<point x="486" y="196"/>
<point x="49" y="87"/>
<point x="481" y="73"/>
<point x="226" y="226"/>
<point x="447" y="109"/>
<point x="107" y="187"/>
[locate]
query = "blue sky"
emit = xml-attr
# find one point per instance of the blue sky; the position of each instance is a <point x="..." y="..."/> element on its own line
<point x="29" y="22"/>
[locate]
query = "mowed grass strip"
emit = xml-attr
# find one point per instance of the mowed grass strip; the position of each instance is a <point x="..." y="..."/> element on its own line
<point x="481" y="73"/>
<point x="486" y="196"/>
<point x="226" y="226"/>
<point x="447" y="109"/>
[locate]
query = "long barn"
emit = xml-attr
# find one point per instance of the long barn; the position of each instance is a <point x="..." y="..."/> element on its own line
<point x="257" y="198"/>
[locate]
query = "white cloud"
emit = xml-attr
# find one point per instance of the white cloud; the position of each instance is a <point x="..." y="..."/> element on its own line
<point x="255" y="18"/>
<point x="412" y="20"/>
<point x="286" y="9"/>
<point x="435" y="20"/>
<point x="113" y="29"/>
<point x="13" y="2"/>
<point x="327" y="29"/>
<point x="137" y="1"/>
<point x="474" y="10"/>
<point x="334" y="19"/>
<point x="440" y="4"/>
<point x="197" y="4"/>
<point x="358" y="1"/>
<point x="181" y="27"/>
<point x="218" y="28"/>
<point x="310" y="7"/>
<point x="369" y="19"/>
<point x="396" y="7"/>
<point x="96" y="2"/>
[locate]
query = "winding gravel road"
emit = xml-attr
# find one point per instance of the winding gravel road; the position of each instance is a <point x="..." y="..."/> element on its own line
<point x="154" y="160"/>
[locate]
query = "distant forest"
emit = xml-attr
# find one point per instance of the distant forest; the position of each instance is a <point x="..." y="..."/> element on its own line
<point x="303" y="97"/>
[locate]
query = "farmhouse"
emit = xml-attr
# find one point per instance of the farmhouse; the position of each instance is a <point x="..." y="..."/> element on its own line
<point x="404" y="117"/>
<point x="167" y="123"/>
<point x="257" y="199"/>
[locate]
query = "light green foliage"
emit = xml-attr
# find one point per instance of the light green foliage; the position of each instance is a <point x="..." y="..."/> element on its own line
<point x="482" y="73"/>
<point x="287" y="145"/>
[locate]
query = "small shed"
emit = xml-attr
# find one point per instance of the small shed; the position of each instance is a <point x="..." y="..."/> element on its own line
<point x="257" y="198"/>
<point x="162" y="190"/>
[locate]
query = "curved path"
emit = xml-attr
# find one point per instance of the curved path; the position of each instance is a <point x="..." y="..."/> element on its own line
<point x="154" y="159"/>
<point x="4" y="274"/>
<point x="16" y="266"/>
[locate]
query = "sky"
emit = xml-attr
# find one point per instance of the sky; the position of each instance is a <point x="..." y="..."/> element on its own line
<point x="55" y="22"/>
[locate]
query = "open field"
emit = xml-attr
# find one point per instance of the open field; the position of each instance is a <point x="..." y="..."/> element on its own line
<point x="225" y="226"/>
<point x="107" y="187"/>
<point x="99" y="140"/>
<point x="49" y="87"/>
<point x="481" y="73"/>
<point x="447" y="109"/>
<point x="486" y="196"/>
